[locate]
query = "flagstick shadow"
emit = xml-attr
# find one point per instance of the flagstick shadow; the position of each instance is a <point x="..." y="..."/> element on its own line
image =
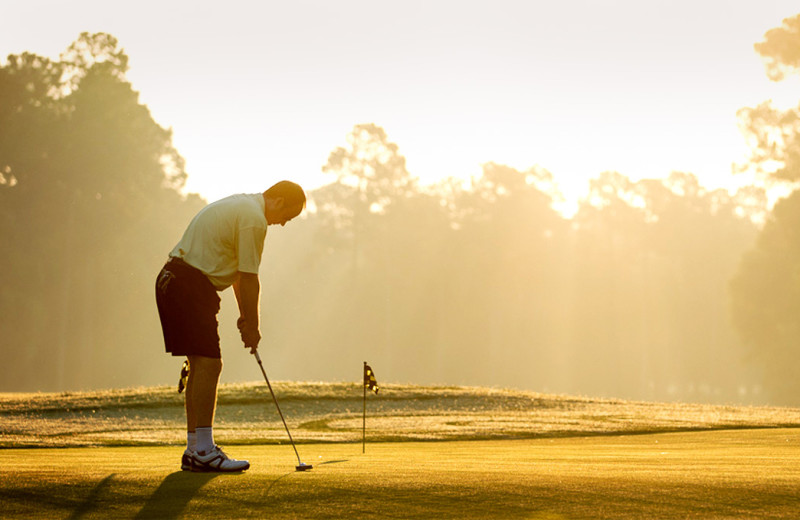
<point x="174" y="494"/>
<point x="89" y="503"/>
<point x="266" y="493"/>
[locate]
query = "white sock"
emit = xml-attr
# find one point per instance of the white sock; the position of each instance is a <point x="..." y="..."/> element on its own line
<point x="205" y="439"/>
<point x="191" y="441"/>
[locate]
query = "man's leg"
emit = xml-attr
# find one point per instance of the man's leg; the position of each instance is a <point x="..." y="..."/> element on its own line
<point x="201" y="392"/>
<point x="201" y="403"/>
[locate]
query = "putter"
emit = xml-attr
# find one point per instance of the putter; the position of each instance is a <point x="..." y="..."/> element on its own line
<point x="301" y="466"/>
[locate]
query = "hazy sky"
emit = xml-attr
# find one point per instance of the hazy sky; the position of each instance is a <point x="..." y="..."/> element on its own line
<point x="257" y="91"/>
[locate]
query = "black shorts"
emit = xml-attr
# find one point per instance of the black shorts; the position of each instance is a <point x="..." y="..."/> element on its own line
<point x="188" y="305"/>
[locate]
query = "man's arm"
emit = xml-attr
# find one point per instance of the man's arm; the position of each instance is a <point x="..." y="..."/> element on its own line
<point x="248" y="294"/>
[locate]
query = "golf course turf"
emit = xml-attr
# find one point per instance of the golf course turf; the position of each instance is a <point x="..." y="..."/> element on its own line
<point x="431" y="452"/>
<point x="713" y="474"/>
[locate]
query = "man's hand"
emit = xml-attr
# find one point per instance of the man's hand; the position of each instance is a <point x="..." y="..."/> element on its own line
<point x="250" y="335"/>
<point x="247" y="290"/>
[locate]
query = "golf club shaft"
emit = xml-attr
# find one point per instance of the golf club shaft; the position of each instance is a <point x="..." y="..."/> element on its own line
<point x="258" y="358"/>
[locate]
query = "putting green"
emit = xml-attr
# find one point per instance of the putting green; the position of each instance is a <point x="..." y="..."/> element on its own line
<point x="717" y="474"/>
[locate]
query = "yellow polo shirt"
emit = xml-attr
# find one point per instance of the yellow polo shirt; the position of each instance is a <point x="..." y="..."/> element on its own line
<point x="225" y="237"/>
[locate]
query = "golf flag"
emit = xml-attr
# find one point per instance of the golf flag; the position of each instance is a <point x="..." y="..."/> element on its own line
<point x="370" y="383"/>
<point x="369" y="379"/>
<point x="184" y="376"/>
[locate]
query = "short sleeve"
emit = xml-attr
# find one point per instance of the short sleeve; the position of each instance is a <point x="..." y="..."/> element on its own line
<point x="250" y="247"/>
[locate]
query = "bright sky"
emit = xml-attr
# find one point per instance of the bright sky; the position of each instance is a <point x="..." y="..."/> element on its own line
<point x="258" y="91"/>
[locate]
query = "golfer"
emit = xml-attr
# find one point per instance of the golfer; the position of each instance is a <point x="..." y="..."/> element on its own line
<point x="221" y="248"/>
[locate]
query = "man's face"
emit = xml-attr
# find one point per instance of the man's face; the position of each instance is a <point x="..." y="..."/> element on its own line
<point x="277" y="213"/>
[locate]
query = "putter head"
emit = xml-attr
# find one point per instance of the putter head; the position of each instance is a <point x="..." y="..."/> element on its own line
<point x="303" y="467"/>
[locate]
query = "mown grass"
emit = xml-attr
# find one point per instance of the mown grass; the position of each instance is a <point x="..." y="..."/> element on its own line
<point x="716" y="474"/>
<point x="331" y="412"/>
<point x="510" y="455"/>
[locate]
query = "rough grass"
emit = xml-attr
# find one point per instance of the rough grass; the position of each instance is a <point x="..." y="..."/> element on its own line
<point x="332" y="412"/>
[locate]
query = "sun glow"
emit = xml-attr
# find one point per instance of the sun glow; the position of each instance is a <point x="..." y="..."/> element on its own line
<point x="576" y="88"/>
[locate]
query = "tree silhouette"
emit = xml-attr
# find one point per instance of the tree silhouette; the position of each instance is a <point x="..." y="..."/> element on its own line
<point x="373" y="166"/>
<point x="88" y="195"/>
<point x="774" y="135"/>
<point x="458" y="283"/>
<point x="766" y="293"/>
<point x="766" y="288"/>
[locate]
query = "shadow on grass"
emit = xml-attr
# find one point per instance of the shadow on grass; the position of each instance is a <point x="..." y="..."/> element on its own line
<point x="174" y="493"/>
<point x="332" y="462"/>
<point x="89" y="503"/>
<point x="266" y="493"/>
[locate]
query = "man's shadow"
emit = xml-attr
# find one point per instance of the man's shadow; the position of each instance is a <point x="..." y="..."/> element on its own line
<point x="173" y="495"/>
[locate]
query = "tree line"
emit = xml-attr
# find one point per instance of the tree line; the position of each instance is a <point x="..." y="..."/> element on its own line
<point x="654" y="289"/>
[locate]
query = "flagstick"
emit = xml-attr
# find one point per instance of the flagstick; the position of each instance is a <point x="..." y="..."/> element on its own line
<point x="364" y="418"/>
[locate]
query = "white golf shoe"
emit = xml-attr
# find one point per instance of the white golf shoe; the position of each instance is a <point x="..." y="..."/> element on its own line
<point x="216" y="460"/>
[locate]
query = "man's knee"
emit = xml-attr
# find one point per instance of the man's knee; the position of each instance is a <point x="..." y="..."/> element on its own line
<point x="205" y="365"/>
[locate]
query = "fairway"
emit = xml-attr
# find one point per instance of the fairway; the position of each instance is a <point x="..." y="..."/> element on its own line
<point x="712" y="474"/>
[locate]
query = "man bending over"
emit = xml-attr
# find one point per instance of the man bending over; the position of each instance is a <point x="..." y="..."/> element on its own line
<point x="222" y="247"/>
